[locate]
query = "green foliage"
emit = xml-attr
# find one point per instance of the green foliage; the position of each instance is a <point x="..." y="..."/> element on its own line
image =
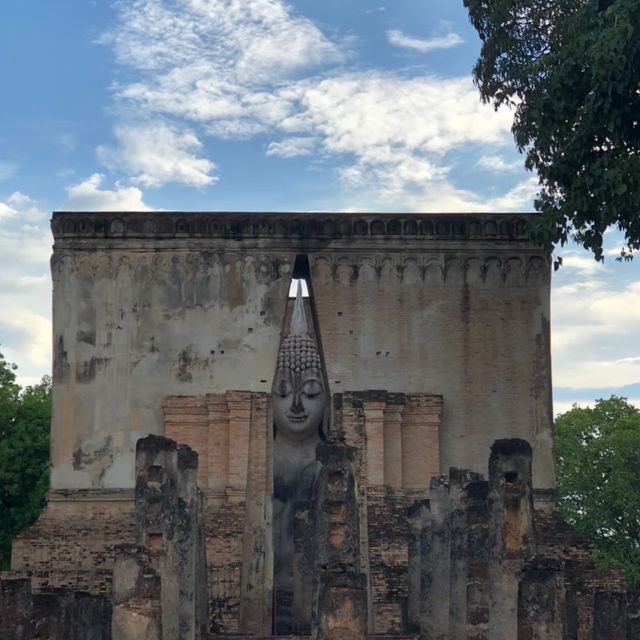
<point x="598" y="466"/>
<point x="25" y="419"/>
<point x="569" y="69"/>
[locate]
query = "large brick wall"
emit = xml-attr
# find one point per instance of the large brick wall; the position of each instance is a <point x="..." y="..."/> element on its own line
<point x="157" y="304"/>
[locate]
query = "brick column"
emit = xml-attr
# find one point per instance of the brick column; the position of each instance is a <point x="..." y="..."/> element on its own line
<point x="186" y="420"/>
<point x="218" y="458"/>
<point x="374" y="425"/>
<point x="420" y="441"/>
<point x="239" y="403"/>
<point x="510" y="531"/>
<point x="392" y="438"/>
<point x="256" y="585"/>
<point x="541" y="602"/>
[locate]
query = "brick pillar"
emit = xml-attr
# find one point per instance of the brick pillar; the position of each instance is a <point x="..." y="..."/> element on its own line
<point x="419" y="517"/>
<point x="218" y="416"/>
<point x="436" y="559"/>
<point x="459" y="481"/>
<point x="541" y="601"/>
<point x="256" y="588"/>
<point x="610" y="616"/>
<point x="341" y="607"/>
<point x="136" y="595"/>
<point x="477" y="542"/>
<point x="420" y="448"/>
<point x="392" y="438"/>
<point x="186" y="419"/>
<point x="169" y="525"/>
<point x="239" y="403"/>
<point x="510" y="531"/>
<point x="374" y="422"/>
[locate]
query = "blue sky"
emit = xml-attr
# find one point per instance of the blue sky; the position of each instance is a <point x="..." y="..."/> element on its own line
<point x="269" y="105"/>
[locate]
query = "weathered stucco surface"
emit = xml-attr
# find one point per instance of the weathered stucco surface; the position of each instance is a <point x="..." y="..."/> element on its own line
<point x="148" y="305"/>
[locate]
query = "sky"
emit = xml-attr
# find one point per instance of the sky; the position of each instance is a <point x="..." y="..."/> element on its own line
<point x="262" y="105"/>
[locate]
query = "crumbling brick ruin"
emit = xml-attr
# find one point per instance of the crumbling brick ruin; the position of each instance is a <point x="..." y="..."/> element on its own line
<point x="372" y="461"/>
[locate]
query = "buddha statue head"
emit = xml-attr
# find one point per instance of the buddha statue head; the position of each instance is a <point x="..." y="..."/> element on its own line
<point x="299" y="395"/>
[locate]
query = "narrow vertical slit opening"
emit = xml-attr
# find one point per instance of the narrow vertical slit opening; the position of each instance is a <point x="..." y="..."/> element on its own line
<point x="301" y="408"/>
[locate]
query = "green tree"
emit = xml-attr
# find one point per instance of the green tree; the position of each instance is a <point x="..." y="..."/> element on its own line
<point x="597" y="453"/>
<point x="25" y="420"/>
<point x="569" y="70"/>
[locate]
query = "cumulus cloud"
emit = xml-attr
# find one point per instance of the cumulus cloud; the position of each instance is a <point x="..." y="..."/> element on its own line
<point x="157" y="153"/>
<point x="519" y="198"/>
<point x="291" y="147"/>
<point x="25" y="286"/>
<point x="214" y="63"/>
<point x="20" y="206"/>
<point x="595" y="321"/>
<point x="497" y="164"/>
<point x="399" y="39"/>
<point x="245" y="39"/>
<point x="581" y="262"/>
<point x="237" y="70"/>
<point x="88" y="196"/>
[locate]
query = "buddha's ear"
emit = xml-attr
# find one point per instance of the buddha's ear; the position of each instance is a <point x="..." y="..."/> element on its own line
<point x="326" y="419"/>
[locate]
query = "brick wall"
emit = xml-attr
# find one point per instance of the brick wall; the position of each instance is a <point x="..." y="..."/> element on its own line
<point x="71" y="545"/>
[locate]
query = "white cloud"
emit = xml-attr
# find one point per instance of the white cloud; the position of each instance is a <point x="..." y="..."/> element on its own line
<point x="581" y="262"/>
<point x="88" y="196"/>
<point x="519" y="198"/>
<point x="564" y="406"/>
<point x="251" y="41"/>
<point x="31" y="333"/>
<point x="6" y="211"/>
<point x="595" y="325"/>
<point x="399" y="39"/>
<point x="363" y="118"/>
<point x="25" y="287"/>
<point x="21" y="207"/>
<point x="240" y="69"/>
<point x="291" y="147"/>
<point x="157" y="153"/>
<point x="496" y="164"/>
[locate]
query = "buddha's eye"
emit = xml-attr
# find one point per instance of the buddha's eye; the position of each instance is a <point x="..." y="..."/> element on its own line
<point x="283" y="388"/>
<point x="312" y="388"/>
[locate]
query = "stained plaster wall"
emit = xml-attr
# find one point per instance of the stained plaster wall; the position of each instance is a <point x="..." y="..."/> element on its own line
<point x="148" y="305"/>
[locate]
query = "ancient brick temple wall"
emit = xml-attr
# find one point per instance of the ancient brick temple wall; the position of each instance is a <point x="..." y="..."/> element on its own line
<point x="396" y="437"/>
<point x="149" y="305"/>
<point x="54" y="615"/>
<point x="72" y="543"/>
<point x="483" y="564"/>
<point x="232" y="434"/>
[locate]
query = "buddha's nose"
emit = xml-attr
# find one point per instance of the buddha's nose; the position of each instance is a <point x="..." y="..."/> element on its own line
<point x="297" y="407"/>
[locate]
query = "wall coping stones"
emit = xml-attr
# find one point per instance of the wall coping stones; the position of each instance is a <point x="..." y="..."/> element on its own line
<point x="272" y="225"/>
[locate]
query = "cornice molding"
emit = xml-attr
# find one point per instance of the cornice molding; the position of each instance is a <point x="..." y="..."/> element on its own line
<point x="163" y="225"/>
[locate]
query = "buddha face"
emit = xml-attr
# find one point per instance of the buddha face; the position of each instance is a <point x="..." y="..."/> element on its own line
<point x="299" y="401"/>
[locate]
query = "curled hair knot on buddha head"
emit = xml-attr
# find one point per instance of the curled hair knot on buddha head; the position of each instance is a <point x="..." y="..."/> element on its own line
<point x="299" y="396"/>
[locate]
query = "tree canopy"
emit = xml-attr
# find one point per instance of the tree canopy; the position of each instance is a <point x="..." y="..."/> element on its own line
<point x="25" y="419"/>
<point x="597" y="454"/>
<point x="569" y="70"/>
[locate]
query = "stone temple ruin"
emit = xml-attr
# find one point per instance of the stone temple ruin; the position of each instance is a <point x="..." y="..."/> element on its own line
<point x="371" y="460"/>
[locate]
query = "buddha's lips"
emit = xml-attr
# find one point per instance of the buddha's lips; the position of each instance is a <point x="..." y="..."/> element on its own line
<point x="297" y="418"/>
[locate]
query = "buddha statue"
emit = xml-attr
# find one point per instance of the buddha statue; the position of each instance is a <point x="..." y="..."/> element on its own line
<point x="300" y="405"/>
